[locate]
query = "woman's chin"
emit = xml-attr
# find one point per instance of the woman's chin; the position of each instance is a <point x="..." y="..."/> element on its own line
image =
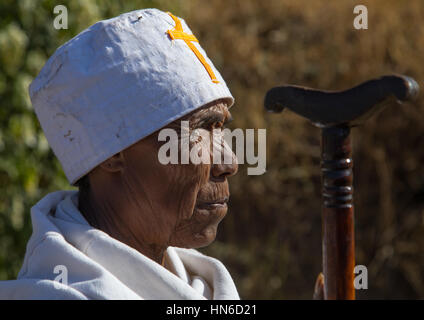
<point x="201" y="229"/>
<point x="196" y="239"/>
<point x="205" y="237"/>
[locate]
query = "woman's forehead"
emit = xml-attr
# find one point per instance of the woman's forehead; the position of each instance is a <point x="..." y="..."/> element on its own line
<point x="215" y="109"/>
<point x="218" y="107"/>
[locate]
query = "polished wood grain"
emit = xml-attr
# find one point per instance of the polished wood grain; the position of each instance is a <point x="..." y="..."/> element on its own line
<point x="335" y="112"/>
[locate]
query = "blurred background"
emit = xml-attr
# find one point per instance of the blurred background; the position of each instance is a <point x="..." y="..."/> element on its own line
<point x="271" y="238"/>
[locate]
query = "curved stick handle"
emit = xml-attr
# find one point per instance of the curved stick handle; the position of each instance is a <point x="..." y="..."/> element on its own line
<point x="350" y="107"/>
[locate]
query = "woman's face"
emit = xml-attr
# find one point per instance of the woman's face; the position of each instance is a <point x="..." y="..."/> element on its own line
<point x="178" y="204"/>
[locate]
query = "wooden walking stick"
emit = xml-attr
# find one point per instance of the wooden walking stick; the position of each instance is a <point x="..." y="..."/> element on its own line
<point x="335" y="112"/>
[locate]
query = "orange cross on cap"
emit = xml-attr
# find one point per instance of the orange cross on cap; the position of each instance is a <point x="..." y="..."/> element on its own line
<point x="178" y="33"/>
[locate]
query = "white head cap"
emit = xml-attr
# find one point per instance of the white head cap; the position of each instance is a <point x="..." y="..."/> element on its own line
<point x="119" y="81"/>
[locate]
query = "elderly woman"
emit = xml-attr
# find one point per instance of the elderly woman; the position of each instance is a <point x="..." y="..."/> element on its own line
<point x="130" y="230"/>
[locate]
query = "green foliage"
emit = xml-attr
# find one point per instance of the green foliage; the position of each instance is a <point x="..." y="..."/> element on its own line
<point x="28" y="167"/>
<point x="270" y="240"/>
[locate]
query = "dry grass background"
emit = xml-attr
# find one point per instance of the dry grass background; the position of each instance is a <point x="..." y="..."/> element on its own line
<point x="270" y="239"/>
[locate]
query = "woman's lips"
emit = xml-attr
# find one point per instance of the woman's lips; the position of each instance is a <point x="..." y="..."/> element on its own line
<point x="214" y="204"/>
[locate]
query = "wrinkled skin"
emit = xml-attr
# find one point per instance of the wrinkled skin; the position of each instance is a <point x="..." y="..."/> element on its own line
<point x="150" y="206"/>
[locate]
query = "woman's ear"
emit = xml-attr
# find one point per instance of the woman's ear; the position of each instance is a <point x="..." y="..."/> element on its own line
<point x="114" y="163"/>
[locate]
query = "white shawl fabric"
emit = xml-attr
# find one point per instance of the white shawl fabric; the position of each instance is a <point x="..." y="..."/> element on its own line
<point x="100" y="267"/>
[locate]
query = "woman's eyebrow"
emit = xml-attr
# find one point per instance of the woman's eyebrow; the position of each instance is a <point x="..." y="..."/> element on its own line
<point x="228" y="118"/>
<point x="202" y="119"/>
<point x="209" y="118"/>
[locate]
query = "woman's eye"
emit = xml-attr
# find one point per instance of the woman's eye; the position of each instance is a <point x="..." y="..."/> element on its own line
<point x="217" y="125"/>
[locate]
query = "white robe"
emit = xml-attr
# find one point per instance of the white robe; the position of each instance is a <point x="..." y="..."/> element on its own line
<point x="89" y="264"/>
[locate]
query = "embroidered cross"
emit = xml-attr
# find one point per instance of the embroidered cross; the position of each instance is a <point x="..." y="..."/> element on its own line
<point x="178" y="33"/>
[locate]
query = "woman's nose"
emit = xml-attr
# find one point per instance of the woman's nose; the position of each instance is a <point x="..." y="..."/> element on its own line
<point x="223" y="170"/>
